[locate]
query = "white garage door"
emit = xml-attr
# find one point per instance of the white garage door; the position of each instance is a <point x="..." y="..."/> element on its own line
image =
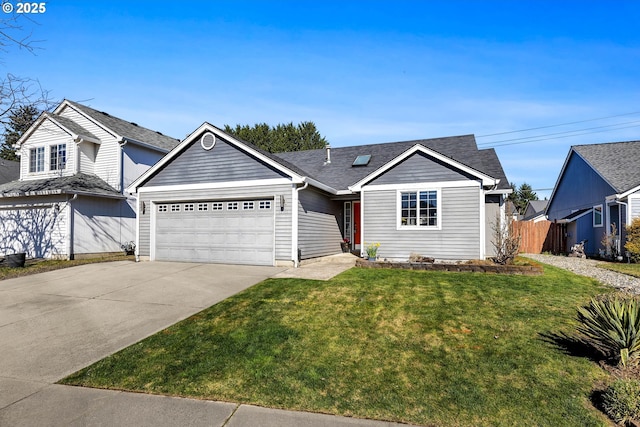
<point x="224" y="231"/>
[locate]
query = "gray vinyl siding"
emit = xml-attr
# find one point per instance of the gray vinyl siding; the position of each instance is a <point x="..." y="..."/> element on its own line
<point x="492" y="212"/>
<point x="223" y="163"/>
<point x="458" y="238"/>
<point x="318" y="225"/>
<point x="282" y="217"/>
<point x="420" y="168"/>
<point x="580" y="187"/>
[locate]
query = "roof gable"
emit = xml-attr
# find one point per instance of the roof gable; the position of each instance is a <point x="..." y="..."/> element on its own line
<point x="340" y="174"/>
<point x="193" y="140"/>
<point x="120" y="128"/>
<point x="617" y="162"/>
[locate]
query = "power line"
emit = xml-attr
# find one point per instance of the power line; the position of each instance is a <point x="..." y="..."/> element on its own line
<point x="558" y="137"/>
<point x="558" y="125"/>
<point x="561" y="133"/>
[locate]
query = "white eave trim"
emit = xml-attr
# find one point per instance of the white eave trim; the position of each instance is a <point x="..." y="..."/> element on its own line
<point x="46" y="116"/>
<point x="124" y="140"/>
<point x="296" y="178"/>
<point x="213" y="185"/>
<point x="626" y="193"/>
<point x="486" y="179"/>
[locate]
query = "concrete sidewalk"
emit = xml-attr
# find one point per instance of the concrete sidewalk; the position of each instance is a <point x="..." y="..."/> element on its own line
<point x="56" y="323"/>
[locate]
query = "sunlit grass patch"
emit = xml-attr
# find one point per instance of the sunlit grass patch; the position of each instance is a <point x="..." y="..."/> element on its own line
<point x="427" y="348"/>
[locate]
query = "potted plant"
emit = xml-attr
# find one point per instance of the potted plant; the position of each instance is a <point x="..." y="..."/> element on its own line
<point x="345" y="245"/>
<point x="372" y="251"/>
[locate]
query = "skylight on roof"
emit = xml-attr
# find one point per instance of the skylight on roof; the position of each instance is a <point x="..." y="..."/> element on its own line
<point x="362" y="160"/>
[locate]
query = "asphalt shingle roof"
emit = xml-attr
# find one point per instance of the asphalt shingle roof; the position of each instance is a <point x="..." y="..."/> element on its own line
<point x="79" y="183"/>
<point x="617" y="162"/>
<point x="339" y="174"/>
<point x="129" y="130"/>
<point x="71" y="125"/>
<point x="9" y="171"/>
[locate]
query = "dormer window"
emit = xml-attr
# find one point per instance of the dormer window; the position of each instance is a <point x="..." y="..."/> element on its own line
<point x="58" y="158"/>
<point x="36" y="159"/>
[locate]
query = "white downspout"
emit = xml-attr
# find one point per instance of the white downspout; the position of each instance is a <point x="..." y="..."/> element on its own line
<point x="70" y="221"/>
<point x="294" y="222"/>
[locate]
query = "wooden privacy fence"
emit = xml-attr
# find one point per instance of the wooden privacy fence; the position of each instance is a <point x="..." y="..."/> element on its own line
<point x="541" y="236"/>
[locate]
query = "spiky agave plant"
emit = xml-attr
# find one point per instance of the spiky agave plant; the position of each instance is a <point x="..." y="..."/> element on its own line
<point x="612" y="324"/>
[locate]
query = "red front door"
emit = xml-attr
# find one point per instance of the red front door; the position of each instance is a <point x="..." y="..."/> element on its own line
<point x="356" y="223"/>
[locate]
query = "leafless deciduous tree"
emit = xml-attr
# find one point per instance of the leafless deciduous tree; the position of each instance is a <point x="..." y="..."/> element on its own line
<point x="505" y="239"/>
<point x="16" y="91"/>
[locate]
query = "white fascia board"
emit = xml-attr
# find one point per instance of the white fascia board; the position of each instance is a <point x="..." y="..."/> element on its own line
<point x="422" y="185"/>
<point x="321" y="186"/>
<point x="66" y="103"/>
<point x="32" y="129"/>
<point x="124" y="140"/>
<point x="504" y="191"/>
<point x="627" y="193"/>
<point x="486" y="179"/>
<point x="213" y="185"/>
<point x="296" y="178"/>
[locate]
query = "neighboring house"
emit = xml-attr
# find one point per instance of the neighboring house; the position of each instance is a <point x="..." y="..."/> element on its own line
<point x="535" y="210"/>
<point x="69" y="199"/>
<point x="9" y="170"/>
<point x="215" y="198"/>
<point x="599" y="185"/>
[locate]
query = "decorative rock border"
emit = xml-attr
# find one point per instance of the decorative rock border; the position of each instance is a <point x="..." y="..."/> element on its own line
<point x="525" y="270"/>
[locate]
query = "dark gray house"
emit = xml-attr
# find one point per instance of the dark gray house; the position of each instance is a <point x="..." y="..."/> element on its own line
<point x="599" y="185"/>
<point x="215" y="198"/>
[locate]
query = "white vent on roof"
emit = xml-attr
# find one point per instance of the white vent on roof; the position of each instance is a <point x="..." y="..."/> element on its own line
<point x="208" y="140"/>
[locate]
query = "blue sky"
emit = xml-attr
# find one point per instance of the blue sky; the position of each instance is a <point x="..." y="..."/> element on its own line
<point x="363" y="71"/>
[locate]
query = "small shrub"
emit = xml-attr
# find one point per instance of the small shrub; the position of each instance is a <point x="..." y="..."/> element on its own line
<point x="505" y="240"/>
<point x="611" y="323"/>
<point x="633" y="240"/>
<point x="621" y="401"/>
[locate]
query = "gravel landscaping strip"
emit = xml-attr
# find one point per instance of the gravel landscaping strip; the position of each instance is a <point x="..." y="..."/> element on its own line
<point x="589" y="268"/>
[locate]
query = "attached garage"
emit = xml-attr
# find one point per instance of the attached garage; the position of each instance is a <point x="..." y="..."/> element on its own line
<point x="216" y="231"/>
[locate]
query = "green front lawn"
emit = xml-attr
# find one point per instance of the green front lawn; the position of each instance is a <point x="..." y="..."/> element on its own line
<point x="629" y="269"/>
<point x="438" y="349"/>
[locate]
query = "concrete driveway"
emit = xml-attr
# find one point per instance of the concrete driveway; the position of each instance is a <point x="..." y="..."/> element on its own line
<point x="55" y="323"/>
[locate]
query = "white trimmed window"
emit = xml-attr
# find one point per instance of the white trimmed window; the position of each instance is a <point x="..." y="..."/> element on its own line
<point x="419" y="209"/>
<point x="203" y="207"/>
<point x="36" y="159"/>
<point x="162" y="208"/>
<point x="188" y="207"/>
<point x="265" y="204"/>
<point x="175" y="208"/>
<point x="216" y="206"/>
<point x="58" y="157"/>
<point x="247" y="206"/>
<point x="597" y="216"/>
<point x="232" y="206"/>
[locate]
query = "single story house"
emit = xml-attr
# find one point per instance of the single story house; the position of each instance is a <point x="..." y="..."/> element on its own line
<point x="68" y="200"/>
<point x="535" y="210"/>
<point x="599" y="185"/>
<point x="215" y="198"/>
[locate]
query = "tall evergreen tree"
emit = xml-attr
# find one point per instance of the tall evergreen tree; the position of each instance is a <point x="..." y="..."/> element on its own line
<point x="521" y="196"/>
<point x="20" y="119"/>
<point x="281" y="138"/>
